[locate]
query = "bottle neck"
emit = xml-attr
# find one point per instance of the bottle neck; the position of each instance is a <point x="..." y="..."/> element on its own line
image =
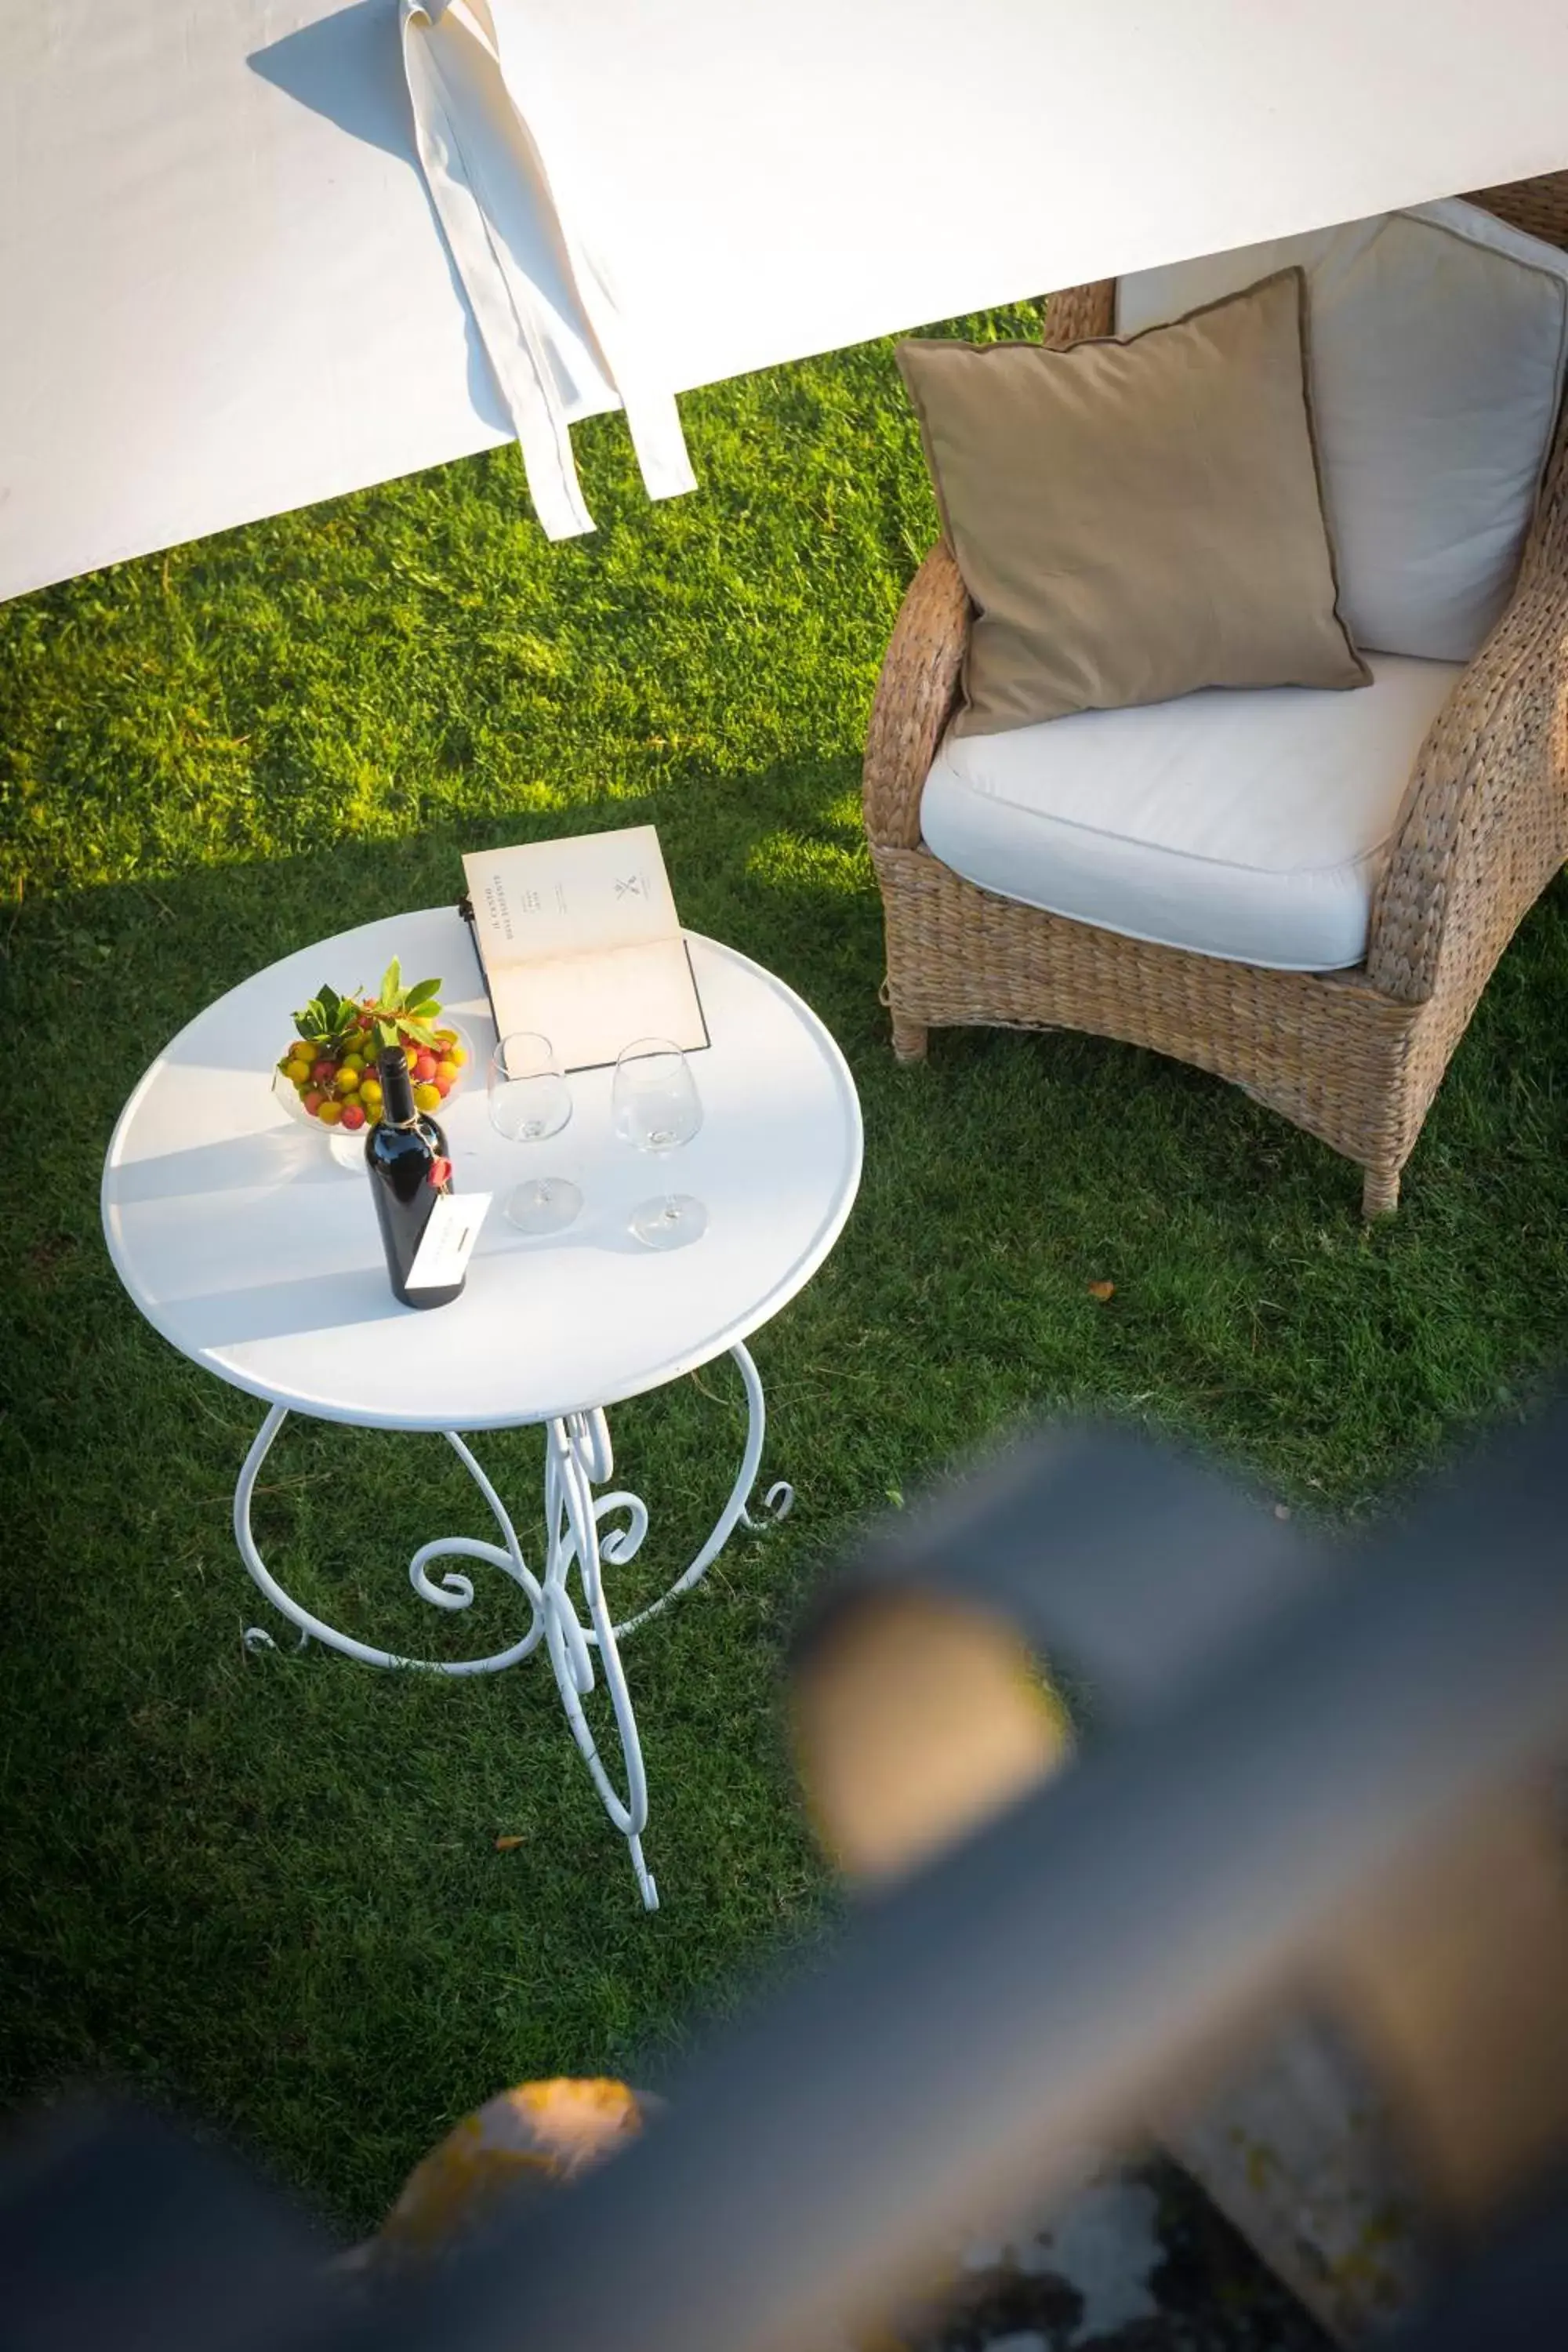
<point x="396" y="1088"/>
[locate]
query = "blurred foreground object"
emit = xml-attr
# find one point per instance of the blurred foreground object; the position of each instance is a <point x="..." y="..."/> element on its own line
<point x="1423" y="2079"/>
<point x="539" y="2135"/>
<point x="1313" y="1786"/>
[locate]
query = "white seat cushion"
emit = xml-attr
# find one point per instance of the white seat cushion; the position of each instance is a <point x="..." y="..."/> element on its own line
<point x="1439" y="338"/>
<point x="1250" y="826"/>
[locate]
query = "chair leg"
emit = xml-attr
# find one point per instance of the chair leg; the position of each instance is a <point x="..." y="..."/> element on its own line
<point x="1380" y="1192"/>
<point x="910" y="1039"/>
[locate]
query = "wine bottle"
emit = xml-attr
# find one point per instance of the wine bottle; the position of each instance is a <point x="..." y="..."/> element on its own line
<point x="409" y="1173"/>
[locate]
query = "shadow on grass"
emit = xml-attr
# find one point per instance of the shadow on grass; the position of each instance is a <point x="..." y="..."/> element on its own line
<point x="269" y="1885"/>
<point x="747" y="859"/>
<point x="1250" y="1306"/>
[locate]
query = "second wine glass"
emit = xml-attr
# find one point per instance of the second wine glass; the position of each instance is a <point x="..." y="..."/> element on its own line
<point x="530" y="1101"/>
<point x="656" y="1108"/>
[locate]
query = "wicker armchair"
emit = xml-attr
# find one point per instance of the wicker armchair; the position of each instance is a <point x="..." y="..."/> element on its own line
<point x="1356" y="1056"/>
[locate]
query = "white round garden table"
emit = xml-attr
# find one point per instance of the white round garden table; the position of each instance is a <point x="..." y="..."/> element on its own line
<point x="254" y="1253"/>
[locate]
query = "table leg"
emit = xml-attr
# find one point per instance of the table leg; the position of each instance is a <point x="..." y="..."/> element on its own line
<point x="578" y="1450"/>
<point x="777" y="1503"/>
<point x="578" y="1457"/>
<point x="452" y="1590"/>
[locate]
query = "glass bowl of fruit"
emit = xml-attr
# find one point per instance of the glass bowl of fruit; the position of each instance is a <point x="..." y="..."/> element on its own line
<point x="326" y="1076"/>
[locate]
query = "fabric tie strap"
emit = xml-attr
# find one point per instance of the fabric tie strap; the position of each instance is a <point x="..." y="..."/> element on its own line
<point x="542" y="303"/>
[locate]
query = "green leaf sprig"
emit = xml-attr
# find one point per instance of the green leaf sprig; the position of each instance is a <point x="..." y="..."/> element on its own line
<point x="328" y="1022"/>
<point x="335" y="1026"/>
<point x="398" y="1011"/>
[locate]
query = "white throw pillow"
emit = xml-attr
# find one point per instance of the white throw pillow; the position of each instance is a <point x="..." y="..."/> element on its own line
<point x="1439" y="338"/>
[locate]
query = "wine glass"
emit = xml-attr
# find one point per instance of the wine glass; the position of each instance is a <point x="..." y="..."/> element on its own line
<point x="529" y="1100"/>
<point x="657" y="1109"/>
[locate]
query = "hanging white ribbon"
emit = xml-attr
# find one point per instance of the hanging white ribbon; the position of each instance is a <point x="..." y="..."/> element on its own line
<point x="542" y="302"/>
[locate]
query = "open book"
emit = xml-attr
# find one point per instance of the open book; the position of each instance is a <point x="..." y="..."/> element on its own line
<point x="579" y="939"/>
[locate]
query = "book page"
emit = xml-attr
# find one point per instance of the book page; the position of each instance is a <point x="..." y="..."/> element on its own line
<point x="580" y="941"/>
<point x="592" y="1006"/>
<point x="576" y="897"/>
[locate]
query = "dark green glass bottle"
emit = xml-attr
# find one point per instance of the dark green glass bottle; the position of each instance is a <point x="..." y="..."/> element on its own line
<point x="409" y="1171"/>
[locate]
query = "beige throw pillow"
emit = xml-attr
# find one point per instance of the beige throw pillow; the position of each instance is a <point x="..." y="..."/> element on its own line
<point x="1135" y="518"/>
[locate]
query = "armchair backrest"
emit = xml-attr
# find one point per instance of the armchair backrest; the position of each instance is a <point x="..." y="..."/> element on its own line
<point x="1539" y="206"/>
<point x="1437" y="346"/>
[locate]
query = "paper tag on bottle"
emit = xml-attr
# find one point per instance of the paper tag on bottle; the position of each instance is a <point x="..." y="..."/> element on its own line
<point x="448" y="1241"/>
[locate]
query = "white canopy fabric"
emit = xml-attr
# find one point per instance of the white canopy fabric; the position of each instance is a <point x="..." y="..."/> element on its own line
<point x="227" y="291"/>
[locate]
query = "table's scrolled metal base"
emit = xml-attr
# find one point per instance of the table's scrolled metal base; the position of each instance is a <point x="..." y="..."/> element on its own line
<point x="578" y="1457"/>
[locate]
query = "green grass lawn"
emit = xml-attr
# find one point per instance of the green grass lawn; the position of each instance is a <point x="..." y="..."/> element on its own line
<point x="266" y="1887"/>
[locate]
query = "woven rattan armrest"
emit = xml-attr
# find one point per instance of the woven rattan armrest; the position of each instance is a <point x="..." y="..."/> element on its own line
<point x="1486" y="823"/>
<point x="915" y="698"/>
